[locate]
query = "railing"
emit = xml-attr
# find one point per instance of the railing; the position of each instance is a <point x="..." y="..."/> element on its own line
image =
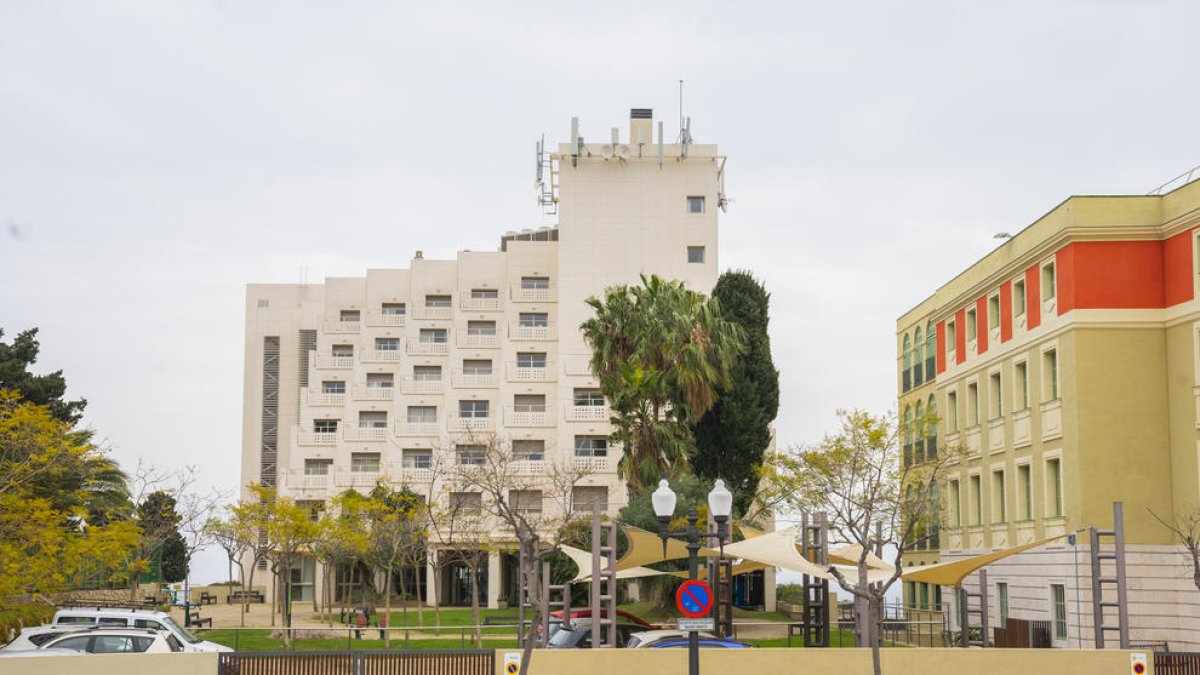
<point x="406" y="428"/>
<point x="478" y="340"/>
<point x="411" y="386"/>
<point x="479" y="304"/>
<point x="428" y="348"/>
<point x="434" y="312"/>
<point x="415" y="473"/>
<point x="529" y="467"/>
<point x="519" y="374"/>
<point x="533" y="294"/>
<point x="1176" y="663"/>
<point x="385" y="355"/>
<point x="377" y="318"/>
<point x="460" y="423"/>
<point x="358" y="478"/>
<point x="296" y="479"/>
<point x="595" y="464"/>
<point x="474" y="380"/>
<point x="332" y="361"/>
<point x="312" y="397"/>
<point x="341" y="326"/>
<point x="519" y="332"/>
<point x="370" y="393"/>
<point x="588" y="413"/>
<point x="317" y="437"/>
<point x="526" y="418"/>
<point x="365" y="434"/>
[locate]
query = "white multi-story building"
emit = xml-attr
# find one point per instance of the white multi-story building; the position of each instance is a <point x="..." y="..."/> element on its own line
<point x="364" y="378"/>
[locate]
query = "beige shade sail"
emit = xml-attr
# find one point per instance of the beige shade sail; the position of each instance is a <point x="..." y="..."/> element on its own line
<point x="777" y="549"/>
<point x="583" y="560"/>
<point x="646" y="548"/>
<point x="740" y="568"/>
<point x="848" y="555"/>
<point x="952" y="573"/>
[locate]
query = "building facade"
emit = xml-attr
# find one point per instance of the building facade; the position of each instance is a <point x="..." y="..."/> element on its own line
<point x="1065" y="371"/>
<point x="381" y="377"/>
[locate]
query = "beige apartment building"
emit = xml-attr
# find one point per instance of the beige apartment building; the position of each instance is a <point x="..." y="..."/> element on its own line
<point x="379" y="377"/>
<point x="1063" y="366"/>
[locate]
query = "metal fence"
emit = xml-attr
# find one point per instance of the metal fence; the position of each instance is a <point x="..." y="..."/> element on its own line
<point x="419" y="662"/>
<point x="1177" y="663"/>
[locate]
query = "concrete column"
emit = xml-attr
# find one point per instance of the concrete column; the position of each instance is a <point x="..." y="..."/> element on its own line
<point x="769" y="602"/>
<point x="432" y="591"/>
<point x="493" y="579"/>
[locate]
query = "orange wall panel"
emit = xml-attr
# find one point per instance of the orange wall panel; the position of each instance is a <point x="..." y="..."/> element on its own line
<point x="1006" y="326"/>
<point x="1033" y="297"/>
<point x="1178" y="269"/>
<point x="941" y="347"/>
<point x="960" y="336"/>
<point x="1110" y="275"/>
<point x="981" y="325"/>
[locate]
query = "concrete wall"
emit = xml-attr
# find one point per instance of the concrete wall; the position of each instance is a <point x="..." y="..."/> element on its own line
<point x="113" y="664"/>
<point x="841" y="661"/>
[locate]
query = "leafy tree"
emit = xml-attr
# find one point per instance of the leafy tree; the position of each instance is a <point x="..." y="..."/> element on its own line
<point x="160" y="535"/>
<point x="396" y="528"/>
<point x="47" y="390"/>
<point x="662" y="354"/>
<point x="343" y="538"/>
<point x="174" y="558"/>
<point x="732" y="436"/>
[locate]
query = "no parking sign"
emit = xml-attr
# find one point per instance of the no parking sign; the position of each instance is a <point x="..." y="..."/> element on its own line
<point x="694" y="599"/>
<point x="1137" y="663"/>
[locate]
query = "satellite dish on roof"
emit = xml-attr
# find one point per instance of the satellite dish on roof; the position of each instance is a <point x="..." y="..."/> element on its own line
<point x="606" y="151"/>
<point x="623" y="151"/>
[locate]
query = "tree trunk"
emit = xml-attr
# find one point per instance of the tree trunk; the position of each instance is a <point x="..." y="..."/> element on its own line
<point x="534" y="586"/>
<point x="246" y="590"/>
<point x="437" y="589"/>
<point x="876" y="638"/>
<point x="420" y="600"/>
<point x="475" y="602"/>
<point x="316" y="605"/>
<point x="387" y="606"/>
<point x="403" y="595"/>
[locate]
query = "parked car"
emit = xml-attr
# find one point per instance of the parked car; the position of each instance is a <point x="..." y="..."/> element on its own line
<point x="21" y="653"/>
<point x="102" y="640"/>
<point x="586" y="613"/>
<point x="578" y="634"/>
<point x="659" y="639"/>
<point x="82" y="617"/>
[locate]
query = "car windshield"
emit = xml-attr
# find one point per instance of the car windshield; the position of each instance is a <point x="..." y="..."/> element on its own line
<point x="562" y="638"/>
<point x="180" y="630"/>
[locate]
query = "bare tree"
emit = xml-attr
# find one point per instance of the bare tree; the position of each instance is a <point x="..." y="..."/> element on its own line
<point x="237" y="541"/>
<point x="1186" y="528"/>
<point x="195" y="510"/>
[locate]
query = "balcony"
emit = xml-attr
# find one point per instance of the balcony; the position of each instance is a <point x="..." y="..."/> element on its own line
<point x="479" y="304"/>
<point x="519" y="294"/>
<point x="319" y="399"/>
<point x="365" y="434"/>
<point x="382" y="356"/>
<point x="411" y="386"/>
<point x="369" y="393"/>
<point x="472" y="424"/>
<point x="415" y="473"/>
<point x="529" y="467"/>
<point x="428" y="348"/>
<point x="304" y="485"/>
<point x="317" y="437"/>
<point x="334" y="362"/>
<point x="474" y="381"/>
<point x="378" y="318"/>
<point x="341" y="326"/>
<point x="518" y="332"/>
<point x="434" y="312"/>
<point x="595" y="464"/>
<point x="425" y="428"/>
<point x="358" y="478"/>
<point x="478" y="341"/>
<point x="588" y="413"/>
<point x="527" y="418"/>
<point x="519" y="374"/>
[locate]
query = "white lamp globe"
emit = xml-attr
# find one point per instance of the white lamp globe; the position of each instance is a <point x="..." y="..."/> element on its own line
<point x="720" y="500"/>
<point x="664" y="500"/>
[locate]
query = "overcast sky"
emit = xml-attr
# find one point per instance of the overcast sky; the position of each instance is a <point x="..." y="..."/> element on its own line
<point x="156" y="157"/>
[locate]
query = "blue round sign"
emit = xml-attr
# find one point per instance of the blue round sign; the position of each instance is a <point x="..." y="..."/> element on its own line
<point x="694" y="598"/>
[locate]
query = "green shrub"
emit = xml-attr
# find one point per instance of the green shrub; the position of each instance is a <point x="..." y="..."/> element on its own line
<point x="15" y="617"/>
<point x="790" y="593"/>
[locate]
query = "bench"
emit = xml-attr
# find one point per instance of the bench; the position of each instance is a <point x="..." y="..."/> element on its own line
<point x="207" y="598"/>
<point x="239" y="596"/>
<point x="199" y="622"/>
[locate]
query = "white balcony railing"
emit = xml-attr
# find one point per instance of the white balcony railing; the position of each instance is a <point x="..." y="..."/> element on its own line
<point x="460" y="423"/>
<point x="428" y="348"/>
<point x="533" y="294"/>
<point x="304" y="485"/>
<point x="475" y="381"/>
<point x="369" y="393"/>
<point x="526" y="418"/>
<point x="384" y="355"/>
<point x="411" y="386"/>
<point x="434" y="312"/>
<point x="519" y="332"/>
<point x="336" y="362"/>
<point x="365" y="434"/>
<point x="519" y="374"/>
<point x="404" y="428"/>
<point x="410" y="474"/>
<point x="377" y="318"/>
<point x="479" y="304"/>
<point x="341" y="326"/>
<point x="588" y="413"/>
<point x="358" y="478"/>
<point x="469" y="341"/>
<point x="317" y="437"/>
<point x="314" y="398"/>
<point x="596" y="464"/>
<point x="529" y="467"/>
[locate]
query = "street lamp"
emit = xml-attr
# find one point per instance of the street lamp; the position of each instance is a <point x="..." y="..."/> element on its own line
<point x="720" y="503"/>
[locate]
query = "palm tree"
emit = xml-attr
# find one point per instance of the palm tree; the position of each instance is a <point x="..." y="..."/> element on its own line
<point x="662" y="354"/>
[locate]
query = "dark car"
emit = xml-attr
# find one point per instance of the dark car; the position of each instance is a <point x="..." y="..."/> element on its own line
<point x="578" y="635"/>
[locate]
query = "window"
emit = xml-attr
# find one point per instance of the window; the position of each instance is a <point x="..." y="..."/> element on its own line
<point x="364" y="462"/>
<point x="79" y="644"/>
<point x="583" y="496"/>
<point x="589" y="397"/>
<point x="906" y="350"/>
<point x="695" y="204"/>
<point x="531" y="359"/>
<point x="529" y="403"/>
<point x="951" y="336"/>
<point x="427" y="373"/>
<point x="1019" y="298"/>
<point x="422" y="414"/>
<point x="372" y="419"/>
<point x="477" y="367"/>
<point x="394" y="309"/>
<point x="325" y="426"/>
<point x="526" y="501"/>
<point x="317" y="467"/>
<point x="437" y="301"/>
<point x="473" y="409"/>
<point x="343" y="350"/>
<point x="389" y="344"/>
<point x="955" y="503"/>
<point x="433" y="336"/>
<point x="972" y="325"/>
<point x="1025" y="488"/>
<point x="924" y="588"/>
<point x="695" y="254"/>
<point x="416" y="459"/>
<point x="263" y="303"/>
<point x="1054" y="487"/>
<point x="466" y="503"/>
<point x="591" y="446"/>
<point x="993" y="318"/>
<point x="972" y="404"/>
<point x="349" y="315"/>
<point x="952" y="411"/>
<point x="1058" y="598"/>
<point x="995" y="396"/>
<point x="333" y="387"/>
<point x="470" y="455"/>
<point x="529" y="450"/>
<point x="1050" y="375"/>
<point x="918" y="358"/>
<point x="484" y="294"/>
<point x="535" y="283"/>
<point x="380" y="380"/>
<point x="1049" y="281"/>
<point x="481" y="328"/>
<point x="1021" y="375"/>
<point x="533" y="320"/>
<point x="976" y="500"/>
<point x="999" y="500"/>
<point x="1002" y="598"/>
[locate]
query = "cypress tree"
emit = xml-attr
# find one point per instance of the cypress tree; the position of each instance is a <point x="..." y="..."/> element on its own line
<point x="733" y="436"/>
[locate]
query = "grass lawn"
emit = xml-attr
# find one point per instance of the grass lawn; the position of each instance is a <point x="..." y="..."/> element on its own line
<point x="260" y="640"/>
<point x="845" y="639"/>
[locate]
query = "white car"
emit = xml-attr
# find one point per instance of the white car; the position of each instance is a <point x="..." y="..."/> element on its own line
<point x="82" y="617"/>
<point x="101" y="640"/>
<point x="647" y="638"/>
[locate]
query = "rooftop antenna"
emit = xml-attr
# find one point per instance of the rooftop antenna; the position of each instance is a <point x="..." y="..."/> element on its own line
<point x="681" y="110"/>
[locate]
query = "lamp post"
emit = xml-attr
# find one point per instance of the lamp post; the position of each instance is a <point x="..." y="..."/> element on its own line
<point x="720" y="503"/>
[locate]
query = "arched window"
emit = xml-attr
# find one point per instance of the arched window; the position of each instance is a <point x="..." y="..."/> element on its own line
<point x="935" y="518"/>
<point x="930" y="350"/>
<point x="908" y="435"/>
<point x="931" y="428"/>
<point x="918" y="359"/>
<point x="907" y="359"/>
<point x="919" y="433"/>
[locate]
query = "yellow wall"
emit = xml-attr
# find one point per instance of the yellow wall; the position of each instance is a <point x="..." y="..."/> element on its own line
<point x="1181" y="379"/>
<point x="841" y="661"/>
<point x="113" y="664"/>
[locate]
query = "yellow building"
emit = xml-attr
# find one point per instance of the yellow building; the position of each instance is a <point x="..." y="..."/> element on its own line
<point x="1065" y="371"/>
